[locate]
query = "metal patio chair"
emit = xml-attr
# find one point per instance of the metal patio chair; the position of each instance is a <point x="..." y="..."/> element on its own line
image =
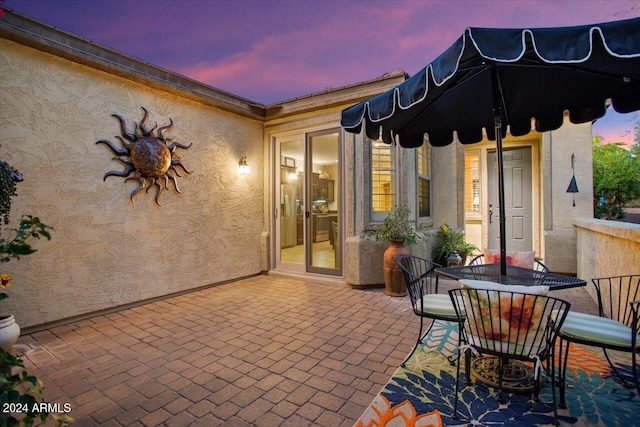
<point x="422" y="285"/>
<point x="507" y="327"/>
<point x="617" y="326"/>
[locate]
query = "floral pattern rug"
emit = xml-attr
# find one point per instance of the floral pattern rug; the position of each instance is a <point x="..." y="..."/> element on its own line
<point x="422" y="393"/>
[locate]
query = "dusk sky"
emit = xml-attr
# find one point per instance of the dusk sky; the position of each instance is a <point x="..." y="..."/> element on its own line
<point x="273" y="50"/>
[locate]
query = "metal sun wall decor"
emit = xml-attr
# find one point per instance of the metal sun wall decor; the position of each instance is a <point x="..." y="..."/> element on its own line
<point x="147" y="155"/>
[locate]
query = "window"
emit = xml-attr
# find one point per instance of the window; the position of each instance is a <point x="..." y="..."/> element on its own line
<point x="423" y="160"/>
<point x="383" y="177"/>
<point x="472" y="181"/>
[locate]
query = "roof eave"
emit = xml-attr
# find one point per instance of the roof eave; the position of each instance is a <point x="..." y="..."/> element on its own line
<point x="43" y="37"/>
<point x="340" y="96"/>
<point x="26" y="31"/>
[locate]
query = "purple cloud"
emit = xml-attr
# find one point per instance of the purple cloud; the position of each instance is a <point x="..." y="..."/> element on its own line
<point x="269" y="51"/>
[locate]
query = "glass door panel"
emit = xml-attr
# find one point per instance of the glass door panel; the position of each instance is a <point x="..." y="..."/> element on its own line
<point x="307" y="206"/>
<point x="290" y="210"/>
<point x="323" y="199"/>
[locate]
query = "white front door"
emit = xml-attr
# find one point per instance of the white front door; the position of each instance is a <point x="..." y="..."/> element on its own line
<point x="518" y="200"/>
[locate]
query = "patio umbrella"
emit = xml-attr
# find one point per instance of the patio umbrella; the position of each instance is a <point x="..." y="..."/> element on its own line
<point x="491" y="79"/>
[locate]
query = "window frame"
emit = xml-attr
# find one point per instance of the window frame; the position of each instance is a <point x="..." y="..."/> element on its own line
<point x="424" y="177"/>
<point x="373" y="216"/>
<point x="469" y="183"/>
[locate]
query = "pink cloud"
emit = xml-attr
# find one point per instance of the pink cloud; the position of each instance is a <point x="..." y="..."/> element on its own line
<point x="616" y="127"/>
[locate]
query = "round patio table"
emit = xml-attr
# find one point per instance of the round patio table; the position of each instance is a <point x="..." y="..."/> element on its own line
<point x="515" y="276"/>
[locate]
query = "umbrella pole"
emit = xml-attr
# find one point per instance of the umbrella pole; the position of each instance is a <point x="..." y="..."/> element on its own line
<point x="503" y="227"/>
<point x="497" y="118"/>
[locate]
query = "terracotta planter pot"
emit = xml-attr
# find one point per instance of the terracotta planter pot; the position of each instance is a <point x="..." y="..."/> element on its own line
<point x="9" y="331"/>
<point x="393" y="279"/>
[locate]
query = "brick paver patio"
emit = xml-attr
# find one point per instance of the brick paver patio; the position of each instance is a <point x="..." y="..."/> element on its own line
<point x="264" y="351"/>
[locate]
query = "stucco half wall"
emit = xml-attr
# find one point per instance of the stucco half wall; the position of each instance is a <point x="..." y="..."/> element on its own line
<point x="105" y="250"/>
<point x="607" y="248"/>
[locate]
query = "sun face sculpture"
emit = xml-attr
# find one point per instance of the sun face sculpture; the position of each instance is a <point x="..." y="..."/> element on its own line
<point x="147" y="156"/>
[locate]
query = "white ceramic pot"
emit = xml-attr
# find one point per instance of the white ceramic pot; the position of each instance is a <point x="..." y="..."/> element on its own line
<point x="9" y="331"/>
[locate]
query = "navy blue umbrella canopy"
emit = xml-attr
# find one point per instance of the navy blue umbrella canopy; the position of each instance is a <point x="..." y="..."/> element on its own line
<point x="497" y="80"/>
<point x="511" y="74"/>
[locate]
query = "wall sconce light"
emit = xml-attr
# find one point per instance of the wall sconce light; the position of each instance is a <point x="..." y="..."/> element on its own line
<point x="243" y="167"/>
<point x="573" y="185"/>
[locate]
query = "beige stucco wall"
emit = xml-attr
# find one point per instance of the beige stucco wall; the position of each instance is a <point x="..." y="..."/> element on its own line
<point x="107" y="251"/>
<point x="606" y="249"/>
<point x="559" y="213"/>
<point x="447" y="175"/>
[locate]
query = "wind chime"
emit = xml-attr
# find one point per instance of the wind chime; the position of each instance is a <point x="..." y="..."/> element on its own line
<point x="573" y="186"/>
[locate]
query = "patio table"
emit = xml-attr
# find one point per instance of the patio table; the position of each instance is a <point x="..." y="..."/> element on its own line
<point x="515" y="276"/>
<point x="517" y="377"/>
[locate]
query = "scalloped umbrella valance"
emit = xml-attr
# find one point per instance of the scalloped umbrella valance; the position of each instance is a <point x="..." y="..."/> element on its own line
<point x="493" y="79"/>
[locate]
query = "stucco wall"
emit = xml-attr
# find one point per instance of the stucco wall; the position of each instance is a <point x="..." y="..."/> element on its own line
<point x="107" y="251"/>
<point x="607" y="248"/>
<point x="559" y="212"/>
<point x="447" y="172"/>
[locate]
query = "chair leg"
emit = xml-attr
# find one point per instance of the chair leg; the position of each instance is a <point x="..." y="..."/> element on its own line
<point x="467" y="368"/>
<point x="537" y="383"/>
<point x="551" y="361"/>
<point x="420" y="338"/>
<point x="562" y="371"/>
<point x="455" y="402"/>
<point x="404" y="362"/>
<point x="615" y="371"/>
<point x="634" y="370"/>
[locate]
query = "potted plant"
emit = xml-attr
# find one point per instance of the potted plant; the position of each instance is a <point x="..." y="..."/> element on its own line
<point x="397" y="229"/>
<point x="451" y="240"/>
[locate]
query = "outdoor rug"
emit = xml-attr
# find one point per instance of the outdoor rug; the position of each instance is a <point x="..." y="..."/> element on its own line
<point x="422" y="393"/>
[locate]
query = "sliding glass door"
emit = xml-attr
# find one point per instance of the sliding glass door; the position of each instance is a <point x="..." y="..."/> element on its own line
<point x="308" y="193"/>
<point x="323" y="155"/>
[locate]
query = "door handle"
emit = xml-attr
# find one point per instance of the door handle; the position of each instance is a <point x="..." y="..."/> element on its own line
<point x="490" y="213"/>
<point x="306" y="214"/>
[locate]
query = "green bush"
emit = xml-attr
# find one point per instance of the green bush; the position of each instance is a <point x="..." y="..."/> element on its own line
<point x="615" y="179"/>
